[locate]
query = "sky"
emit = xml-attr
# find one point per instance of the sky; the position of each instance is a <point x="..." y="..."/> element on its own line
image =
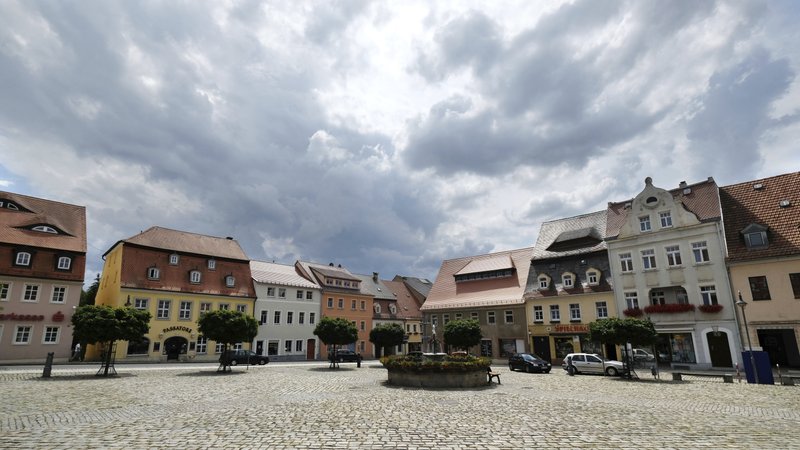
<point x="381" y="135"/>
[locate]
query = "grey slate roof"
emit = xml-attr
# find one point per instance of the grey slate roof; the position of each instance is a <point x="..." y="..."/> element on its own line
<point x="376" y="288"/>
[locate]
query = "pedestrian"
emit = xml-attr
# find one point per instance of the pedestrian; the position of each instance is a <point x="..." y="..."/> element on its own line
<point x="77" y="355"/>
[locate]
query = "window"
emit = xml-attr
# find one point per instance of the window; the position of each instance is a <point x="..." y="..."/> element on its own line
<point x="299" y="295"/>
<point x="657" y="298"/>
<point x="230" y="281"/>
<point x="298" y="345"/>
<point x="163" y="309"/>
<point x="681" y="296"/>
<point x="202" y="345"/>
<point x="673" y="255"/>
<point x="272" y="348"/>
<point x="5" y="288"/>
<point x="277" y="318"/>
<point x="666" y="219"/>
<point x="309" y="295"/>
<point x="289" y="317"/>
<point x="241" y="308"/>
<point x="555" y="314"/>
<point x="700" y="252"/>
<point x="311" y="318"/>
<point x="708" y="294"/>
<point x="363" y="326"/>
<point x="64" y="263"/>
<point x="459" y="316"/>
<point x="140" y="303"/>
<point x="153" y="273"/>
<point x="567" y="280"/>
<point x="173" y="259"/>
<point x="592" y="277"/>
<point x="23" y="259"/>
<point x="59" y="294"/>
<point x="649" y="259"/>
<point x="212" y="264"/>
<point x="574" y="312"/>
<point x="353" y="305"/>
<point x="22" y="334"/>
<point x="490" y="318"/>
<point x="393" y="309"/>
<point x="755" y="236"/>
<point x="544" y="282"/>
<point x="330" y="302"/>
<point x="185" y="312"/>
<point x="626" y="262"/>
<point x="538" y="313"/>
<point x="287" y="346"/>
<point x="509" y="316"/>
<point x="602" y="310"/>
<point x="301" y="318"/>
<point x="45" y="229"/>
<point x="759" y="288"/>
<point x="644" y="223"/>
<point x="445" y="319"/>
<point x="218" y="348"/>
<point x="435" y="320"/>
<point x="341" y="303"/>
<point x="631" y="300"/>
<point x="473" y="315"/>
<point x="50" y="335"/>
<point x="194" y="276"/>
<point x="31" y="293"/>
<point x="139" y="346"/>
<point x="377" y="308"/>
<point x="363" y="305"/>
<point x="264" y="317"/>
<point x="204" y="307"/>
<point x="361" y="346"/>
<point x="270" y="292"/>
<point x="224" y="306"/>
<point x="794" y="278"/>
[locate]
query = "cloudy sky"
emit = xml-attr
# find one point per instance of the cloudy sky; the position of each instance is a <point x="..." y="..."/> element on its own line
<point x="386" y="136"/>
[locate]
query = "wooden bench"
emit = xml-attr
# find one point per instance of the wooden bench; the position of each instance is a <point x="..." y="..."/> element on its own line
<point x="726" y="377"/>
<point x="491" y="375"/>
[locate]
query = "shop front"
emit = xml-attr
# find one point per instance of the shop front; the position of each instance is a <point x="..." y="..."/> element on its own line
<point x="554" y="342"/>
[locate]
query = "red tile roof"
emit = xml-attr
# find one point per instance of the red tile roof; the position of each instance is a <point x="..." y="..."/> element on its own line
<point x="70" y="219"/>
<point x="407" y="307"/>
<point x="743" y="204"/>
<point x="447" y="294"/>
<point x="184" y="241"/>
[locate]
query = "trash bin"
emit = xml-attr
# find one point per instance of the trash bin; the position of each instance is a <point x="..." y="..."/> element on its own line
<point x="763" y="367"/>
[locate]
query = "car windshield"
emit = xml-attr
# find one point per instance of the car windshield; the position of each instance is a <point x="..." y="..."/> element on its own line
<point x="527" y="357"/>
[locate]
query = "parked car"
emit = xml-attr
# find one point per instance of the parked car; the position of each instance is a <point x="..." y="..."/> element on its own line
<point x="575" y="363"/>
<point x="529" y="363"/>
<point x="345" y="355"/>
<point x="235" y="357"/>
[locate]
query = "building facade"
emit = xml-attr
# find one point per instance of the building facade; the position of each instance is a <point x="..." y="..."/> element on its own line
<point x="667" y="256"/>
<point x="42" y="264"/>
<point x="408" y="312"/>
<point x="569" y="287"/>
<point x="488" y="288"/>
<point x="384" y="309"/>
<point x="761" y="230"/>
<point x="176" y="276"/>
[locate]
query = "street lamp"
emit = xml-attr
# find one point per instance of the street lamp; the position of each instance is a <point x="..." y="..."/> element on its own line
<point x="741" y="303"/>
<point x="128" y="303"/>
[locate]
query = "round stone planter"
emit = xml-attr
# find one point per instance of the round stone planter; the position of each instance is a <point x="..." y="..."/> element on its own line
<point x="438" y="379"/>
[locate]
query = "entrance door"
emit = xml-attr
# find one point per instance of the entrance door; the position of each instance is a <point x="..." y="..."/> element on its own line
<point x="541" y="346"/>
<point x="719" y="350"/>
<point x="781" y="346"/>
<point x="260" y="347"/>
<point x="311" y="349"/>
<point x="174" y="347"/>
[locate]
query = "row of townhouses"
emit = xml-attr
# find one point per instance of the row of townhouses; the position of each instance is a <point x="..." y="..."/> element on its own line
<point x="689" y="259"/>
<point x="681" y="257"/>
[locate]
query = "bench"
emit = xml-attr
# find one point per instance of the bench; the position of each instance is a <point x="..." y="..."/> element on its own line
<point x="491" y="375"/>
<point x="726" y="377"/>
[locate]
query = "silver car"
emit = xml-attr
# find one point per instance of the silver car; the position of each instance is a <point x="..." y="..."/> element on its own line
<point x="575" y="363"/>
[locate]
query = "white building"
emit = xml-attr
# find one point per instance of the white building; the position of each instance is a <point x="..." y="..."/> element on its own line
<point x="287" y="309"/>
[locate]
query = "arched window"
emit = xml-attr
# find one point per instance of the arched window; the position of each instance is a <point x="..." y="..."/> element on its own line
<point x="64" y="263"/>
<point x="23" y="259"/>
<point x="392" y="309"/>
<point x="153" y="273"/>
<point x="377" y="308"/>
<point x="230" y="281"/>
<point x="544" y="282"/>
<point x="568" y="280"/>
<point x="593" y="277"/>
<point x="45" y="229"/>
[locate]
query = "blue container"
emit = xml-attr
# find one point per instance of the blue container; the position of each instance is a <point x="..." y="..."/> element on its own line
<point x="763" y="367"/>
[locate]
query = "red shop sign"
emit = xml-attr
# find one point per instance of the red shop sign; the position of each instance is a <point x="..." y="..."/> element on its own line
<point x="14" y="316"/>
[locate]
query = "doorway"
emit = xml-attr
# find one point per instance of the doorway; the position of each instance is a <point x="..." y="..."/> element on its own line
<point x="541" y="347"/>
<point x="174" y="347"/>
<point x="781" y="346"/>
<point x="311" y="348"/>
<point x="719" y="349"/>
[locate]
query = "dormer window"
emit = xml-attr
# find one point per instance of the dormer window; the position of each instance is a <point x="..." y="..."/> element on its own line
<point x="568" y="281"/>
<point x="194" y="276"/>
<point x="212" y="264"/>
<point x="230" y="281"/>
<point x="153" y="273"/>
<point x="9" y="205"/>
<point x="644" y="223"/>
<point x="45" y="229"/>
<point x="755" y="236"/>
<point x="377" y="308"/>
<point x="173" y="259"/>
<point x="593" y="277"/>
<point x="393" y="309"/>
<point x="64" y="263"/>
<point x="544" y="282"/>
<point x="23" y="259"/>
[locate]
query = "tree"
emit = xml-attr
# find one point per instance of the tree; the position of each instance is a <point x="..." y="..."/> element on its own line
<point x="387" y="335"/>
<point x="88" y="296"/>
<point x="335" y="332"/>
<point x="227" y="327"/>
<point x="103" y="325"/>
<point x="637" y="332"/>
<point x="463" y="334"/>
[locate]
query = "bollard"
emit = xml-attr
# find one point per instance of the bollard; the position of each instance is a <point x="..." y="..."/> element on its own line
<point x="48" y="365"/>
<point x="358" y="362"/>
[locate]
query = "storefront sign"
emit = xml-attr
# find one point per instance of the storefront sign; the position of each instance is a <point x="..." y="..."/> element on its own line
<point x="58" y="317"/>
<point x="176" y="328"/>
<point x="14" y="316"/>
<point x="574" y="328"/>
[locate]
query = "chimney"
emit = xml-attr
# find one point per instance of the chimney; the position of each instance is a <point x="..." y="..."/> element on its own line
<point x="330" y="264"/>
<point x="340" y="266"/>
<point x="375" y="276"/>
<point x="682" y="184"/>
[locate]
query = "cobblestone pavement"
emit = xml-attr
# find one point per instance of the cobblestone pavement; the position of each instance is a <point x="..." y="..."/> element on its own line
<point x="309" y="406"/>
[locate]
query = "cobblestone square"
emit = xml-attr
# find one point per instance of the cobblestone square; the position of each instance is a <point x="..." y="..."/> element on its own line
<point x="304" y="406"/>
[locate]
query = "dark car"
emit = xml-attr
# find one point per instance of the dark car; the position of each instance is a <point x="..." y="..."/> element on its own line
<point x="529" y="363"/>
<point x="235" y="357"/>
<point x="345" y="355"/>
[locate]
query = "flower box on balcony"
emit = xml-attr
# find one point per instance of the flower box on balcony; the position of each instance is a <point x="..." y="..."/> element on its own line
<point x="671" y="308"/>
<point x="633" y="312"/>
<point x="710" y="308"/>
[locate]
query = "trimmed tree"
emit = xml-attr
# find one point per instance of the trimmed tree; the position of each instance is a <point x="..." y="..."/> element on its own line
<point x="226" y="327"/>
<point x="463" y="333"/>
<point x="335" y="332"/>
<point x="386" y="335"/>
<point x="103" y="325"/>
<point x="637" y="332"/>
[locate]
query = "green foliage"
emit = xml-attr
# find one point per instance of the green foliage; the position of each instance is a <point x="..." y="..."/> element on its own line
<point x="88" y="296"/>
<point x="460" y="363"/>
<point x="104" y="324"/>
<point x="227" y="326"/>
<point x="463" y="334"/>
<point x="336" y="331"/>
<point x="387" y="335"/>
<point x="622" y="331"/>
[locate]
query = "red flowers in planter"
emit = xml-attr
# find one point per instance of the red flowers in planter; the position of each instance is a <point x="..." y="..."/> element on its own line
<point x="710" y="308"/>
<point x="671" y="308"/>
<point x="633" y="312"/>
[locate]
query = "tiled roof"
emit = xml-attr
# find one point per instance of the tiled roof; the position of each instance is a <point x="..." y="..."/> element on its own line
<point x="496" y="262"/>
<point x="743" y="204"/>
<point x="407" y="307"/>
<point x="280" y="274"/>
<point x="183" y="241"/>
<point x="334" y="272"/>
<point x="701" y="198"/>
<point x="421" y="286"/>
<point x="376" y="288"/>
<point x="71" y="219"/>
<point x="447" y="294"/>
<point x="586" y="231"/>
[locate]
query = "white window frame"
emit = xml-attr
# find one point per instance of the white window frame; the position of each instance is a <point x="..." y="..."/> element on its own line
<point x="201" y="347"/>
<point x="264" y="317"/>
<point x="312" y="318"/>
<point x="568" y="280"/>
<point x="649" y="259"/>
<point x="163" y="309"/>
<point x="23" y="259"/>
<point x="28" y="335"/>
<point x="602" y="310"/>
<point x="538" y="314"/>
<point x="63" y="294"/>
<point x="709" y="294"/>
<point x="281" y="292"/>
<point x="644" y="224"/>
<point x="289" y="317"/>
<point x="298" y="345"/>
<point x="674" y="258"/>
<point x="153" y="273"/>
<point x="309" y="295"/>
<point x="593" y="277"/>
<point x="5" y="290"/>
<point x="700" y="252"/>
<point x="47" y="329"/>
<point x="64" y="263"/>
<point x="140" y="303"/>
<point x="276" y="318"/>
<point x="392" y="308"/>
<point x="299" y="294"/>
<point x="241" y="308"/>
<point x="377" y="308"/>
<point x="445" y="319"/>
<point x="174" y="259"/>
<point x="631" y="299"/>
<point x="301" y="318"/>
<point x="508" y="316"/>
<point x="665" y="218"/>
<point x="491" y="318"/>
<point x="195" y="276"/>
<point x="230" y="281"/>
<point x="45" y="229"/>
<point x="575" y="312"/>
<point x="626" y="262"/>
<point x="205" y="307"/>
<point x="544" y="282"/>
<point x="185" y="310"/>
<point x="473" y="315"/>
<point x="555" y="313"/>
<point x="224" y="306"/>
<point x="270" y="291"/>
<point x="212" y="264"/>
<point x="30" y="292"/>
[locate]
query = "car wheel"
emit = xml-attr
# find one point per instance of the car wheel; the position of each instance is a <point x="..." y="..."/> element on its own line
<point x="262" y="362"/>
<point x="234" y="362"/>
<point x="612" y="371"/>
<point x="511" y="367"/>
<point x="571" y="370"/>
<point x="528" y="369"/>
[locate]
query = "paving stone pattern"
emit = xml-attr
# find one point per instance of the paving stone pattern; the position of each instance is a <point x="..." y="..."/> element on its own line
<point x="310" y="406"/>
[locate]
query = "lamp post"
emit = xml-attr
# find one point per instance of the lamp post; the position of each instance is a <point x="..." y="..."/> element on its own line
<point x="741" y="303"/>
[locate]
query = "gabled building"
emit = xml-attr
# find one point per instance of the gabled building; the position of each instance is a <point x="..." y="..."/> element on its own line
<point x="667" y="255"/>
<point x="176" y="276"/>
<point x="569" y="287"/>
<point x="287" y="309"/>
<point x="488" y="288"/>
<point x="762" y="231"/>
<point x="42" y="264"/>
<point x="342" y="297"/>
<point x="407" y="310"/>
<point x="384" y="306"/>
